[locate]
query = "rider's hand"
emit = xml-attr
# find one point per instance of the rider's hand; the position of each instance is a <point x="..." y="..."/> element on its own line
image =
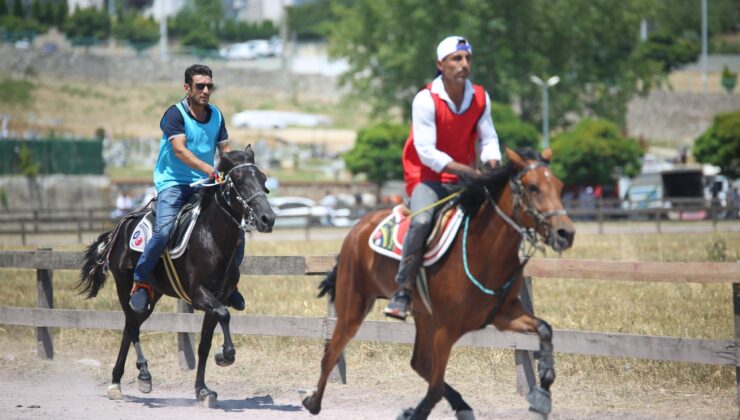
<point x="468" y="178"/>
<point x="215" y="176"/>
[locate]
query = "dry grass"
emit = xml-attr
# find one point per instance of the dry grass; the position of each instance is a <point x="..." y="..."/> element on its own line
<point x="691" y="310"/>
<point x="80" y="107"/>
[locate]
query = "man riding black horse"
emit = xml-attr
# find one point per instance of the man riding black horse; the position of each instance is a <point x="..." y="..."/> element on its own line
<point x="191" y="130"/>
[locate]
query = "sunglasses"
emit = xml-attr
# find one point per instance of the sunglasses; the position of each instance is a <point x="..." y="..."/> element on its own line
<point x="201" y="86"/>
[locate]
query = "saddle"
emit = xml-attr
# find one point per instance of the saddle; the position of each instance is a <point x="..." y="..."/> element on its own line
<point x="387" y="238"/>
<point x="184" y="224"/>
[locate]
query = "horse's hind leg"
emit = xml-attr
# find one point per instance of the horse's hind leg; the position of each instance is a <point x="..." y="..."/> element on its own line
<point x="349" y="319"/>
<point x="422" y="364"/>
<point x="114" y="390"/>
<point x="514" y="317"/>
<point x="440" y="347"/>
<point x="130" y="335"/>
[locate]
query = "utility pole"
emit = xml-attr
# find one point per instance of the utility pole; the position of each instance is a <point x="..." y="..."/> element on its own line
<point x="163" y="55"/>
<point x="545" y="105"/>
<point x="704" y="76"/>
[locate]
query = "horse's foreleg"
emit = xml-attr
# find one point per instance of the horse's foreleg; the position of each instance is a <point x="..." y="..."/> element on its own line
<point x="202" y="393"/>
<point x="514" y="317"/>
<point x="422" y="364"/>
<point x="205" y="301"/>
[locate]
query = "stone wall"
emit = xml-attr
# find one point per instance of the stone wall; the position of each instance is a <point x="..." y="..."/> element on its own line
<point x="676" y="117"/>
<point x="82" y="64"/>
<point x="57" y="191"/>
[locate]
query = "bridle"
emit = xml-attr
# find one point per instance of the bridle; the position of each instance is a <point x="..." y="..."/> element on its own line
<point x="522" y="199"/>
<point x="227" y="186"/>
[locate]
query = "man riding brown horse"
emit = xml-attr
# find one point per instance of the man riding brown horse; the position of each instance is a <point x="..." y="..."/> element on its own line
<point x="448" y="116"/>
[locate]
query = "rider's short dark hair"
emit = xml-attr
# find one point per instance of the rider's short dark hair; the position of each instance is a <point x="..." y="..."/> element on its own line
<point x="197" y="69"/>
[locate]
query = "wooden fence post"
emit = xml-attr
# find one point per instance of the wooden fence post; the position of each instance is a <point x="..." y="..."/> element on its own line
<point x="185" y="342"/>
<point x="736" y="309"/>
<point x="23" y="233"/>
<point x="339" y="373"/>
<point x="525" y="376"/>
<point x="45" y="299"/>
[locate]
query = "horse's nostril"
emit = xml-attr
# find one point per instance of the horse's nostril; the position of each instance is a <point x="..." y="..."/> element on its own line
<point x="565" y="234"/>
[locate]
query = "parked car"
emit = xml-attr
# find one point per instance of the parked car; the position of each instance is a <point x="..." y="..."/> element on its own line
<point x="250" y="50"/>
<point x="298" y="211"/>
<point x="240" y="51"/>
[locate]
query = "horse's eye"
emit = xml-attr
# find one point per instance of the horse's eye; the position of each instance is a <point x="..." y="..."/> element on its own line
<point x="533" y="189"/>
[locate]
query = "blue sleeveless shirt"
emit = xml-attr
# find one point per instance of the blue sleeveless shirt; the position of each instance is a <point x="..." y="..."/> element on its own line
<point x="200" y="139"/>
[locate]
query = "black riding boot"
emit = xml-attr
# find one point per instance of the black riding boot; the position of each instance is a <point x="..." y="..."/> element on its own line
<point x="399" y="304"/>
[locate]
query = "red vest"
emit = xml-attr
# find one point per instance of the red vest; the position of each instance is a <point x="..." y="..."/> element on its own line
<point x="456" y="136"/>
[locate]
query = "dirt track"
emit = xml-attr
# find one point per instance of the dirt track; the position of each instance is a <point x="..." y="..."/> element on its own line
<point x="75" y="389"/>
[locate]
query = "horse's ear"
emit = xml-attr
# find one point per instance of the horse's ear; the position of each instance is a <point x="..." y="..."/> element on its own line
<point x="515" y="158"/>
<point x="546" y="154"/>
<point x="250" y="153"/>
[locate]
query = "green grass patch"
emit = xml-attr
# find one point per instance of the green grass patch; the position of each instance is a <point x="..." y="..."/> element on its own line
<point x="17" y="93"/>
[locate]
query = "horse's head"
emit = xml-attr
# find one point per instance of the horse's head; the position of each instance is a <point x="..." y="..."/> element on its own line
<point x="244" y="188"/>
<point x="536" y="196"/>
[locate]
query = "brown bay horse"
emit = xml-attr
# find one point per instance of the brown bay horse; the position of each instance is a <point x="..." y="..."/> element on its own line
<point x="476" y="284"/>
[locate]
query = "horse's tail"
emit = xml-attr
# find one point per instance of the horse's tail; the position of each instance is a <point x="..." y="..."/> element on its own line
<point x="95" y="265"/>
<point x="329" y="285"/>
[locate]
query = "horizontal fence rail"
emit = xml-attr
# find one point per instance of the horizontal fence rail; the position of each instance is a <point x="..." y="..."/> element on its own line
<point x="25" y="222"/>
<point x="717" y="352"/>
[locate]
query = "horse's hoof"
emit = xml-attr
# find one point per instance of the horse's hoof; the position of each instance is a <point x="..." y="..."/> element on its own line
<point x="224" y="359"/>
<point x="145" y="385"/>
<point x="406" y="414"/>
<point x="207" y="398"/>
<point x="536" y="415"/>
<point x="311" y="404"/>
<point x="114" y="392"/>
<point x="465" y="415"/>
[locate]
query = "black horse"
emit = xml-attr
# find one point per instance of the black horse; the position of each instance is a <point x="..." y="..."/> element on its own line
<point x="206" y="270"/>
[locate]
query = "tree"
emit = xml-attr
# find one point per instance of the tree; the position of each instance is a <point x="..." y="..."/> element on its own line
<point x="512" y="131"/>
<point x="377" y="153"/>
<point x="138" y="30"/>
<point x="199" y="39"/>
<point x="36" y="10"/>
<point x="61" y="13"/>
<point x="310" y="20"/>
<point x="3" y="8"/>
<point x="89" y="23"/>
<point x="720" y="144"/>
<point x="593" y="152"/>
<point x="592" y="45"/>
<point x="47" y="13"/>
<point x="18" y="10"/>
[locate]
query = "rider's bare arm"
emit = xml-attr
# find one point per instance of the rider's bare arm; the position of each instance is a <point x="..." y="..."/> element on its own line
<point x="187" y="157"/>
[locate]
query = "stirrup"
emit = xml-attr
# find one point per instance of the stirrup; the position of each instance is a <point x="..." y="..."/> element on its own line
<point x="146" y="286"/>
<point x="398" y="307"/>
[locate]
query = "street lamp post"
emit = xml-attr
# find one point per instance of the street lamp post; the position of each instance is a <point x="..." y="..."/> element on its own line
<point x="545" y="104"/>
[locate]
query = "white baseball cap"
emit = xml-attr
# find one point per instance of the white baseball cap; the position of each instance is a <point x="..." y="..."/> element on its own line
<point x="452" y="44"/>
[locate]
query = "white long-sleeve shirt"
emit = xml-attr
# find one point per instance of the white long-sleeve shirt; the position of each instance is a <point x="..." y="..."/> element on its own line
<point x="425" y="129"/>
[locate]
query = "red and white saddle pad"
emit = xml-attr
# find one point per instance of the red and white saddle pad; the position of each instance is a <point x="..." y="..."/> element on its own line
<point x="387" y="238"/>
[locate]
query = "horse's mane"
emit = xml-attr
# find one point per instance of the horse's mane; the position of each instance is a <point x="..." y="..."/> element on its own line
<point x="494" y="181"/>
